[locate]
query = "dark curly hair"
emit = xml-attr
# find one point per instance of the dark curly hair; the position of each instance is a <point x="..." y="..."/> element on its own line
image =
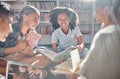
<point x="72" y="15"/>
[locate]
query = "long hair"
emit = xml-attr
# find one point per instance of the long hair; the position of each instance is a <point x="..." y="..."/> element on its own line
<point x="72" y="15"/>
<point x="28" y="10"/>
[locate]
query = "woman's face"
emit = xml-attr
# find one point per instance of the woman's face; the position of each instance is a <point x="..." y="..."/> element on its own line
<point x="99" y="15"/>
<point x="33" y="20"/>
<point x="5" y="28"/>
<point x="63" y="20"/>
<point x="103" y="15"/>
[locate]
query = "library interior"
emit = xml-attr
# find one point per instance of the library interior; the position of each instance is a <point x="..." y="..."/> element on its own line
<point x="51" y="38"/>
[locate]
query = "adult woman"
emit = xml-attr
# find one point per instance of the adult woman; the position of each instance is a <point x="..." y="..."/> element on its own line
<point x="102" y="61"/>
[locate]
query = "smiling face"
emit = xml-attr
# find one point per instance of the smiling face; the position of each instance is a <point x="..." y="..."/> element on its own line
<point x="63" y="21"/>
<point x="32" y="20"/>
<point x="5" y="27"/>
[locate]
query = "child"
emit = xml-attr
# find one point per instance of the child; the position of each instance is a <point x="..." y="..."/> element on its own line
<point x="66" y="31"/>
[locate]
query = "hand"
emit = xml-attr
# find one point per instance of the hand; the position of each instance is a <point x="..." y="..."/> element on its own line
<point x="28" y="51"/>
<point x="21" y="45"/>
<point x="80" y="47"/>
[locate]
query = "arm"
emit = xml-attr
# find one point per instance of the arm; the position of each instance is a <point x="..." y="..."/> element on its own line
<point x="80" y="45"/>
<point x="78" y="33"/>
<point x="18" y="47"/>
<point x="54" y="40"/>
<point x="28" y="51"/>
<point x="54" y="46"/>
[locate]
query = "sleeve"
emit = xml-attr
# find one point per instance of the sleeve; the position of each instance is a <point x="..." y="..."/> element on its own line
<point x="2" y="52"/>
<point x="77" y="31"/>
<point x="54" y="37"/>
<point x="88" y="66"/>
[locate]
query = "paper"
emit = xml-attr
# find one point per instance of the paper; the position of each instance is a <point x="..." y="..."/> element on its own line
<point x="75" y="58"/>
<point x="56" y="57"/>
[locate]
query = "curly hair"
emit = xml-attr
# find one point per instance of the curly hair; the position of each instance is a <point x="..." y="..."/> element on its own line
<point x="72" y="15"/>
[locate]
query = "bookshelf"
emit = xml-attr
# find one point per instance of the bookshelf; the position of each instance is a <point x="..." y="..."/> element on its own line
<point x="83" y="8"/>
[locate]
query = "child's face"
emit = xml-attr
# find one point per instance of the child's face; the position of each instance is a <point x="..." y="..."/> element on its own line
<point x="5" y="28"/>
<point x="32" y="20"/>
<point x="63" y="21"/>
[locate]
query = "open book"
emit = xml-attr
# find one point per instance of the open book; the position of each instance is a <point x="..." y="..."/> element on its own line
<point x="56" y="57"/>
<point x="71" y="65"/>
<point x="33" y="38"/>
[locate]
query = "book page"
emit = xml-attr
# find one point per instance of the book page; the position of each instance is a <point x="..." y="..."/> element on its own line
<point x="62" y="71"/>
<point x="33" y="38"/>
<point x="48" y="53"/>
<point x="71" y="65"/>
<point x="75" y="58"/>
<point x="65" y="68"/>
<point x="66" y="65"/>
<point x="64" y="55"/>
<point x="56" y="57"/>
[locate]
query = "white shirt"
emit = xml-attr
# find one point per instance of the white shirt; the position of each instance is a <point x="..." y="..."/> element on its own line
<point x="103" y="58"/>
<point x="65" y="40"/>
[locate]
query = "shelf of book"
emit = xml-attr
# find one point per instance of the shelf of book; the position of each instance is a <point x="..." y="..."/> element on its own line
<point x="83" y="8"/>
<point x="42" y="4"/>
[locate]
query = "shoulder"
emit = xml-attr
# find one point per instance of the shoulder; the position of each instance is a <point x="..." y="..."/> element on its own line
<point x="106" y="33"/>
<point x="108" y="30"/>
<point x="57" y="31"/>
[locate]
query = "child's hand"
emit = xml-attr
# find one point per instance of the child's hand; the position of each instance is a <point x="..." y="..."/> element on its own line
<point x="21" y="45"/>
<point x="80" y="47"/>
<point x="28" y="51"/>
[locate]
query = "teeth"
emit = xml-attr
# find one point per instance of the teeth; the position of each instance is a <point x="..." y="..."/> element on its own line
<point x="63" y="24"/>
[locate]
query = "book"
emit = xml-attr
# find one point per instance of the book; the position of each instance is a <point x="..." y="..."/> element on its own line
<point x="56" y="57"/>
<point x="71" y="65"/>
<point x="33" y="37"/>
<point x="11" y="68"/>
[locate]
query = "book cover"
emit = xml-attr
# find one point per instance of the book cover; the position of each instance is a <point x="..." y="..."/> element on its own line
<point x="33" y="38"/>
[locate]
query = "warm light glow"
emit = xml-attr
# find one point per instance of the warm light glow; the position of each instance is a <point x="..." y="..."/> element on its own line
<point x="89" y="0"/>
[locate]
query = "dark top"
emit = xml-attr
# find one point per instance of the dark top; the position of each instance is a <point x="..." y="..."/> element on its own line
<point x="11" y="39"/>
